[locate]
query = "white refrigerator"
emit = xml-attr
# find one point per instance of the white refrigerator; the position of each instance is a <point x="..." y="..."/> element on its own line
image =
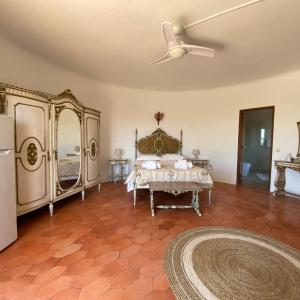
<point x="8" y="207"/>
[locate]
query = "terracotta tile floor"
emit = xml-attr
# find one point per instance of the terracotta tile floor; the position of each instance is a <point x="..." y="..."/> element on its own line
<point x="104" y="248"/>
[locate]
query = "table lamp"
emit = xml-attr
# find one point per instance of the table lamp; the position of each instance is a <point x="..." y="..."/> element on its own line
<point x="196" y="153"/>
<point x="118" y="153"/>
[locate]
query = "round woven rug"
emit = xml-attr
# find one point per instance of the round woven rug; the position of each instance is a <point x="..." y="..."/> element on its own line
<point x="224" y="263"/>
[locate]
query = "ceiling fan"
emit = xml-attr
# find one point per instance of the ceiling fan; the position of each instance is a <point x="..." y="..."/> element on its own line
<point x="176" y="46"/>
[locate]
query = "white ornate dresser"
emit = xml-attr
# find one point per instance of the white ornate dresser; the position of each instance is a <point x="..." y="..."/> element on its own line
<point x="57" y="142"/>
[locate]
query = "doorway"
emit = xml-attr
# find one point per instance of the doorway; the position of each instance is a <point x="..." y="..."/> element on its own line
<point x="255" y="147"/>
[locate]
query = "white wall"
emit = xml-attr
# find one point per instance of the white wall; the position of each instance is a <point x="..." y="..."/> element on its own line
<point x="24" y="69"/>
<point x="208" y="118"/>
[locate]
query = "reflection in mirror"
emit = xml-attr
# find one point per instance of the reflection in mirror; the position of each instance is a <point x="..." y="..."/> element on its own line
<point x="68" y="149"/>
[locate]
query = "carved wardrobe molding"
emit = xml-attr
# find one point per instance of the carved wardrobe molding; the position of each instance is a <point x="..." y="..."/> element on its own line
<point x="37" y="119"/>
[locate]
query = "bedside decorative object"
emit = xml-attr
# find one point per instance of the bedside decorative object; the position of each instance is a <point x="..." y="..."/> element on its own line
<point x="118" y="153"/>
<point x="158" y="117"/>
<point x="119" y="169"/>
<point x="196" y="153"/>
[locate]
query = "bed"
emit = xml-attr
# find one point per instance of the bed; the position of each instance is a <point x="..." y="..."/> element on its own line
<point x="159" y="146"/>
<point x="68" y="167"/>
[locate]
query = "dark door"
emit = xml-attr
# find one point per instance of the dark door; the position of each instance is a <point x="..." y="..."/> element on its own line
<point x="255" y="147"/>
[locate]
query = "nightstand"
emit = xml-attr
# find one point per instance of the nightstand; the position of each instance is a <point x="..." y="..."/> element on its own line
<point x="119" y="169"/>
<point x="202" y="163"/>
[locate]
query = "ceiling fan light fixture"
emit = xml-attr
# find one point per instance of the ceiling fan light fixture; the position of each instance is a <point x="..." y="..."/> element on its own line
<point x="177" y="52"/>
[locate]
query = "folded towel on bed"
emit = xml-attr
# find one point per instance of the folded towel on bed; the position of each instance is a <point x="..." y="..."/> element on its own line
<point x="150" y="165"/>
<point x="183" y="164"/>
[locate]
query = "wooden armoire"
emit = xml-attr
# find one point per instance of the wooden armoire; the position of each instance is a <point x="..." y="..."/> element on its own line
<point x="57" y="145"/>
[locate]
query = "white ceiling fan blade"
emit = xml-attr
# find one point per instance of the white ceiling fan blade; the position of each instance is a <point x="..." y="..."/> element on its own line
<point x="169" y="35"/>
<point x="222" y="13"/>
<point x="198" y="50"/>
<point x="163" y="59"/>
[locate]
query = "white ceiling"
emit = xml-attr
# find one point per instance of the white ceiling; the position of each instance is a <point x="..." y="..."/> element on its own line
<point x="115" y="40"/>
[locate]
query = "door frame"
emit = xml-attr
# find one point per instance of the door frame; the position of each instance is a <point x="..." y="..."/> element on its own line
<point x="240" y="139"/>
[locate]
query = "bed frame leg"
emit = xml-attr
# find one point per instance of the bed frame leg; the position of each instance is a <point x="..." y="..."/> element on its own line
<point x="197" y="204"/>
<point x="194" y="199"/>
<point x="134" y="197"/>
<point x="152" y="204"/>
<point x="209" y="196"/>
<point x="99" y="187"/>
<point x="83" y="195"/>
<point x="51" y="209"/>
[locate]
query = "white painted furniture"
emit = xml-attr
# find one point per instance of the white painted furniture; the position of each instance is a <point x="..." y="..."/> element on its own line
<point x="201" y="163"/>
<point x="280" y="179"/>
<point x="175" y="188"/>
<point x="119" y="169"/>
<point x="57" y="145"/>
<point x="8" y="215"/>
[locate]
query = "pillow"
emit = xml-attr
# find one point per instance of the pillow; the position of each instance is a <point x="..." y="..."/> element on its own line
<point x="151" y="165"/>
<point x="172" y="157"/>
<point x="148" y="157"/>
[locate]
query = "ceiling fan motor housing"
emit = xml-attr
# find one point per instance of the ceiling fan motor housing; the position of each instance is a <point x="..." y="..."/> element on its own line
<point x="177" y="52"/>
<point x="178" y="30"/>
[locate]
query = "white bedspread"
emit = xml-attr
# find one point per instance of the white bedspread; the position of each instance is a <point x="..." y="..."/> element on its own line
<point x="140" y="178"/>
<point x="69" y="167"/>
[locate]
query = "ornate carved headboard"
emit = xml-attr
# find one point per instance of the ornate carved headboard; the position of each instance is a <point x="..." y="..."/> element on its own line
<point x="158" y="142"/>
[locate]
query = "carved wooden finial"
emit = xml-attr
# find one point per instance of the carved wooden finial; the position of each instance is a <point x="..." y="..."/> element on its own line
<point x="68" y="94"/>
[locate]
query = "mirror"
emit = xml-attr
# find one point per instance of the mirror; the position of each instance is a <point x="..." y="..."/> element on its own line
<point x="68" y="149"/>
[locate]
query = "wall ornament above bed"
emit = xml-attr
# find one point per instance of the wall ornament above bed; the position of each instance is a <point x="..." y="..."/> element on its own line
<point x="158" y="142"/>
<point x="158" y="117"/>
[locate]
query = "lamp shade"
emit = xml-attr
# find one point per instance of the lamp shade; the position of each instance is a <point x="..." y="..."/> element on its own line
<point x="118" y="153"/>
<point x="196" y="153"/>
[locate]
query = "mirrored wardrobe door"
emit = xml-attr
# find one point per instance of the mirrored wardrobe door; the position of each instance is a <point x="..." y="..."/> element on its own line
<point x="68" y="149"/>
